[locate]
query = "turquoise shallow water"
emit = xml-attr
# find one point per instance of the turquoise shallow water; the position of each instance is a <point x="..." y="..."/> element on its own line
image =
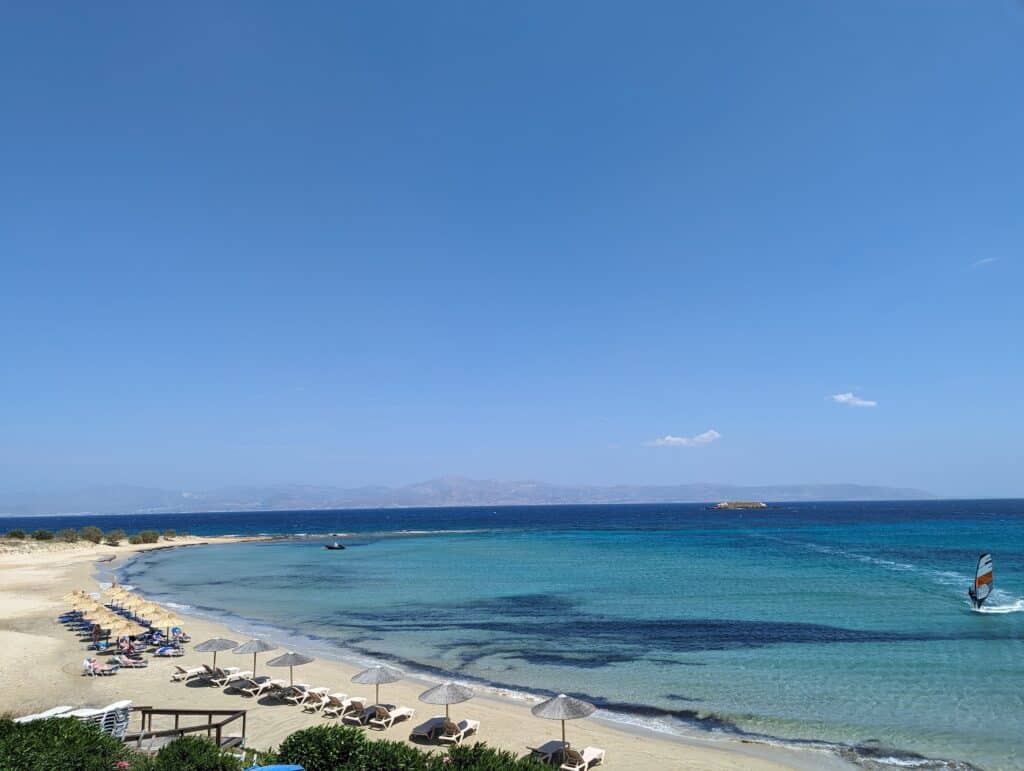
<point x="847" y="624"/>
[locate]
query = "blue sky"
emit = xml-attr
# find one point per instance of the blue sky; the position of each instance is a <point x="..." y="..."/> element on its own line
<point x="375" y="243"/>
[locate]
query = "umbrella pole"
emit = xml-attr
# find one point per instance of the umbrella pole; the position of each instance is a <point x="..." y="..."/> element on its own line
<point x="291" y="675"/>
<point x="215" y="659"/>
<point x="378" y="692"/>
<point x="563" y="737"/>
<point x="445" y="711"/>
<point x="254" y="665"/>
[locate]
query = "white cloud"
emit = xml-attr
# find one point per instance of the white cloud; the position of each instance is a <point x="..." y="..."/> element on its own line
<point x="851" y="400"/>
<point x="668" y="440"/>
<point x="983" y="262"/>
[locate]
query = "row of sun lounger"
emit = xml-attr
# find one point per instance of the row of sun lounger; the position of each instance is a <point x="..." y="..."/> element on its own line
<point x="353" y="710"/>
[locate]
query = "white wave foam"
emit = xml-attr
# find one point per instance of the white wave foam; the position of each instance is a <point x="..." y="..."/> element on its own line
<point x="1014" y="607"/>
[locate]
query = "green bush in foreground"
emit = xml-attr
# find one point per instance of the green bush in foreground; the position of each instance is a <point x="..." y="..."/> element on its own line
<point x="91" y="533"/>
<point x="149" y="536"/>
<point x="17" y="534"/>
<point x="169" y="534"/>
<point x="322" y="747"/>
<point x="342" y="748"/>
<point x="68" y="535"/>
<point x="135" y="539"/>
<point x="43" y="535"/>
<point x="480" y="757"/>
<point x="195" y="753"/>
<point x="67" y="744"/>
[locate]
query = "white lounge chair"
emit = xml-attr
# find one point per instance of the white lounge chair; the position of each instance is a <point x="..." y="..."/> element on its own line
<point x="180" y="673"/>
<point x="313" y="700"/>
<point x="581" y="761"/>
<point x="363" y="717"/>
<point x="229" y="675"/>
<point x="340" y="707"/>
<point x="52" y="712"/>
<point x="257" y="686"/>
<point x="429" y="729"/>
<point x="385" y="718"/>
<point x="454" y="733"/>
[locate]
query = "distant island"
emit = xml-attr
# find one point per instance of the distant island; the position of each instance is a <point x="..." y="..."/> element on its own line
<point x="445" y="491"/>
<point x="741" y="505"/>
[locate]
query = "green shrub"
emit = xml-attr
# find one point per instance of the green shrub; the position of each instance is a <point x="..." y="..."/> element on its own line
<point x="323" y="747"/>
<point x="149" y="536"/>
<point x="170" y="534"/>
<point x="386" y="753"/>
<point x="68" y="535"/>
<point x="195" y="753"/>
<point x="135" y="539"/>
<point x="19" y="534"/>
<point x="114" y="537"/>
<point x="67" y="744"/>
<point x="480" y="757"/>
<point x="43" y="535"/>
<point x="91" y="533"/>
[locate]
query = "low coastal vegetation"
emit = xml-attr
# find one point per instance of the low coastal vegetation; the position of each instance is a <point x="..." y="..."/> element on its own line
<point x="89" y="534"/>
<point x="72" y="745"/>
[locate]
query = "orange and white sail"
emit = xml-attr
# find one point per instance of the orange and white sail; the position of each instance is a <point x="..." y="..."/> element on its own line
<point x="983" y="577"/>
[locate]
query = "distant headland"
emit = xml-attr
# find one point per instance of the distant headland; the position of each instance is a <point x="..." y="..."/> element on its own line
<point x="445" y="491"/>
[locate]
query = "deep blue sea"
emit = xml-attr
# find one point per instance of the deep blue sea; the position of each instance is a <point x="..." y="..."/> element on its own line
<point x="841" y="622"/>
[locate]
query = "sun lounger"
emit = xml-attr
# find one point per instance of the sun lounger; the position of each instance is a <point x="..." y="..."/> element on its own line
<point x="363" y="717"/>
<point x="294" y="690"/>
<point x="547" y="752"/>
<point x="454" y="733"/>
<point x="98" y="670"/>
<point x="336" y="707"/>
<point x="52" y="712"/>
<point x="257" y="686"/>
<point x="112" y="719"/>
<point x="180" y="673"/>
<point x="581" y="761"/>
<point x="312" y="699"/>
<point x="229" y="675"/>
<point x="428" y="730"/>
<point x="169" y="651"/>
<point x="129" y="663"/>
<point x="385" y="718"/>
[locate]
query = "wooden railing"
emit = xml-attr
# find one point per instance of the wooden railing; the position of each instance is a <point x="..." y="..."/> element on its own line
<point x="214" y="729"/>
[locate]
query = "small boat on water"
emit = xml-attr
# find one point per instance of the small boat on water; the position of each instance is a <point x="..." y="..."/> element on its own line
<point x="334" y="546"/>
<point x="982" y="581"/>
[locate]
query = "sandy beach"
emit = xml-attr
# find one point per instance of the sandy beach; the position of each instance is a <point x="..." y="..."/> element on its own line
<point x="40" y="665"/>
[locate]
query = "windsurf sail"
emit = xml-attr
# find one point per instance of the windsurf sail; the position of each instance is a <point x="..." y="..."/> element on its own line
<point x="983" y="579"/>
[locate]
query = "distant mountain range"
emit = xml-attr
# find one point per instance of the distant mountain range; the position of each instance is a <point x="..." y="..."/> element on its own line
<point x="446" y="491"/>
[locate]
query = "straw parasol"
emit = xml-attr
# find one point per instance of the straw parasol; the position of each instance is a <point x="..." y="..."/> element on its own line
<point x="291" y="659"/>
<point x="447" y="693"/>
<point x="162" y="618"/>
<point x="123" y="628"/>
<point x="377" y="675"/>
<point x="255" y="646"/>
<point x="562" y="707"/>
<point x="214" y="645"/>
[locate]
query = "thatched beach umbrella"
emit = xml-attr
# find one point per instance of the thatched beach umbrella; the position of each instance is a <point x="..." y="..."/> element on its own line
<point x="255" y="646"/>
<point x="163" y="619"/>
<point x="447" y="693"/>
<point x="562" y="707"/>
<point x="291" y="659"/>
<point x="377" y="675"/>
<point x="215" y="644"/>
